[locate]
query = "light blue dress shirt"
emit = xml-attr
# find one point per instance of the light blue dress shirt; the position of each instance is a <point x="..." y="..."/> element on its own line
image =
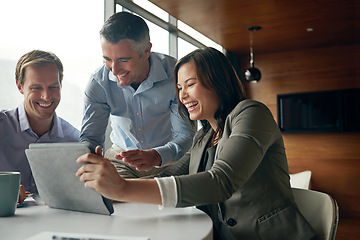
<point x="16" y="135"/>
<point x="146" y="118"/>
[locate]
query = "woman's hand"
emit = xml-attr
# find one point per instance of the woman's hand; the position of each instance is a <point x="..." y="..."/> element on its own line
<point x="100" y="174"/>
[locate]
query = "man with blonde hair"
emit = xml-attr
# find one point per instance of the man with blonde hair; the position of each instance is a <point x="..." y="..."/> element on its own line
<point x="39" y="77"/>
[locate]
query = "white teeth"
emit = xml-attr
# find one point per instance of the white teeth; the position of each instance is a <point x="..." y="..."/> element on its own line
<point x="44" y="105"/>
<point x="190" y="105"/>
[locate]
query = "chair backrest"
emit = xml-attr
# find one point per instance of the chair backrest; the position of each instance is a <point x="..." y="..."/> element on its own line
<point x="300" y="179"/>
<point x="320" y="210"/>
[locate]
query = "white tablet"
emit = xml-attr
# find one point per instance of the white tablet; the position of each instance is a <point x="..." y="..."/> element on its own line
<point x="53" y="166"/>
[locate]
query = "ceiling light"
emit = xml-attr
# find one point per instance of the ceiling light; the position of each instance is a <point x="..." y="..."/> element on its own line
<point x="252" y="74"/>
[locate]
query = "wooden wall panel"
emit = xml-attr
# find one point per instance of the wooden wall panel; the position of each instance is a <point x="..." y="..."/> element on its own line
<point x="334" y="158"/>
<point x="305" y="71"/>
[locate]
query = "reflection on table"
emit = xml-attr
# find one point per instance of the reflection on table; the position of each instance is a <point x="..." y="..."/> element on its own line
<point x="129" y="219"/>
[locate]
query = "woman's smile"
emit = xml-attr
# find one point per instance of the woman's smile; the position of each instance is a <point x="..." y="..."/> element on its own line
<point x="201" y="102"/>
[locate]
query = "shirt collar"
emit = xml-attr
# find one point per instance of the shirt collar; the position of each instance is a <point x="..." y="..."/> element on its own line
<point x="111" y="76"/>
<point x="157" y="72"/>
<point x="55" y="131"/>
<point x="23" y="119"/>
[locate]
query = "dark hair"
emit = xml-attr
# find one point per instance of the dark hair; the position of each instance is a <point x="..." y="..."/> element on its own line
<point x="214" y="72"/>
<point x="36" y="58"/>
<point x="127" y="26"/>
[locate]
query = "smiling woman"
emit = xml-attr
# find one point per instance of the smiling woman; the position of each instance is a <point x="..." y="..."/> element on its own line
<point x="44" y="25"/>
<point x="200" y="102"/>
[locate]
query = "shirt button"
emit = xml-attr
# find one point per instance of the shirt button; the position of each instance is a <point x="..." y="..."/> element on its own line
<point x="33" y="184"/>
<point x="139" y="129"/>
<point x="138" y="114"/>
<point x="231" y="222"/>
<point x="142" y="141"/>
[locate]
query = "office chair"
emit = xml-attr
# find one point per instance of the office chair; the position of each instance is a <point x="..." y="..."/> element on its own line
<point x="300" y="179"/>
<point x="320" y="210"/>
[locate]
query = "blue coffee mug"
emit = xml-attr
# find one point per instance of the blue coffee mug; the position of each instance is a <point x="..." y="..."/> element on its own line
<point x="9" y="192"/>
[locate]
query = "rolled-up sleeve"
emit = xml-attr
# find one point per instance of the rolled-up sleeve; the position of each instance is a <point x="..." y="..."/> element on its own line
<point x="183" y="134"/>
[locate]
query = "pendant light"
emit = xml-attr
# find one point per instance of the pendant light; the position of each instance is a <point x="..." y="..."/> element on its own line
<point x="252" y="74"/>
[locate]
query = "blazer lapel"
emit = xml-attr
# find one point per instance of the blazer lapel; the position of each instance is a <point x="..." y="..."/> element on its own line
<point x="196" y="154"/>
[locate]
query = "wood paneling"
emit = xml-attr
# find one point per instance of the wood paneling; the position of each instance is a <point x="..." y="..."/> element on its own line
<point x="334" y="158"/>
<point x="348" y="229"/>
<point x="283" y="22"/>
<point x="304" y="71"/>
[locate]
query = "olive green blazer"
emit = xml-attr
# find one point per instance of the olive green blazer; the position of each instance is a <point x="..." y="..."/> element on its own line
<point x="249" y="180"/>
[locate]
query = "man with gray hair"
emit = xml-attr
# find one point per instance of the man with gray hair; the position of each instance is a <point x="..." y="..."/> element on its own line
<point x="39" y="77"/>
<point x="135" y="87"/>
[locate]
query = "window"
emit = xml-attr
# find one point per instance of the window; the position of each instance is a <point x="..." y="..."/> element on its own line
<point x="68" y="28"/>
<point x="184" y="47"/>
<point x="159" y="36"/>
<point x="187" y="38"/>
<point x="195" y="34"/>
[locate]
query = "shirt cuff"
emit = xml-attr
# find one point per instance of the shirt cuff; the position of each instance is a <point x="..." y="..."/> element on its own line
<point x="165" y="154"/>
<point x="168" y="191"/>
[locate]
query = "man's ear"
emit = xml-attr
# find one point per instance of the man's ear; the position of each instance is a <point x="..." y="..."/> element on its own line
<point x="19" y="87"/>
<point x="148" y="50"/>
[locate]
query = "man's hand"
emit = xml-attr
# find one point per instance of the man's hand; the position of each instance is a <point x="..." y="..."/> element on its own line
<point x="22" y="195"/>
<point x="143" y="160"/>
<point x="100" y="174"/>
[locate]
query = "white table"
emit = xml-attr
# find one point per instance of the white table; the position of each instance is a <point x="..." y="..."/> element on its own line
<point x="128" y="219"/>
